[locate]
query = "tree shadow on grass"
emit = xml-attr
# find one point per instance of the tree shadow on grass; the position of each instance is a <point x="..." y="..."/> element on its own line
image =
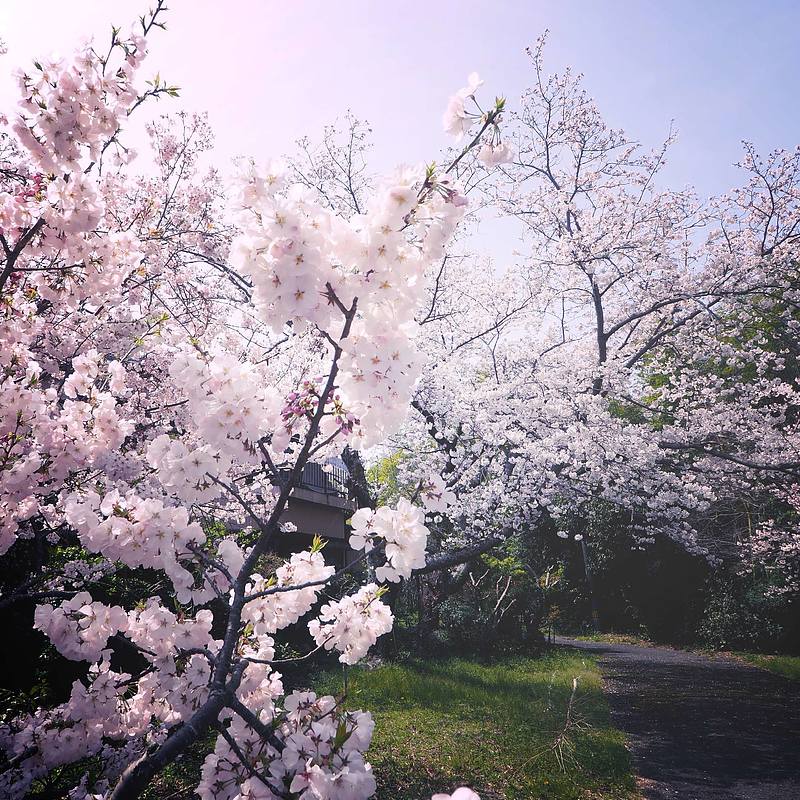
<point x="447" y="685"/>
<point x="494" y="725"/>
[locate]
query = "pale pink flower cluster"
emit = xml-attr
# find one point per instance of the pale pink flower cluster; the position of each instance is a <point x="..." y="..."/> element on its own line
<point x="84" y="372"/>
<point x="101" y="264"/>
<point x="75" y="435"/>
<point x="139" y="532"/>
<point x="21" y="206"/>
<point x="117" y="377"/>
<point x="71" y="110"/>
<point x="186" y="473"/>
<point x="774" y="545"/>
<point x="457" y="120"/>
<point x="491" y="155"/>
<point x="75" y="204"/>
<point x="436" y="496"/>
<point x="283" y="608"/>
<point x="72" y="731"/>
<point x="325" y="749"/>
<point x="353" y="624"/>
<point x="401" y="531"/>
<point x="379" y="370"/>
<point x="322" y="756"/>
<point x="79" y="628"/>
<point x="300" y="409"/>
<point x="159" y="632"/>
<point x="106" y="710"/>
<point x="23" y="413"/>
<point x="78" y="573"/>
<point x="231" y="408"/>
<point x="230" y="554"/>
<point x="310" y="266"/>
<point x="69" y="105"/>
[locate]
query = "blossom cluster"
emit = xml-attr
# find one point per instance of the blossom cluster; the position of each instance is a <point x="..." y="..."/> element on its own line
<point x="159" y="633"/>
<point x="284" y="606"/>
<point x="74" y="730"/>
<point x="402" y="533"/>
<point x="79" y="628"/>
<point x="231" y="409"/>
<point x="300" y="409"/>
<point x="353" y="624"/>
<point x="321" y="757"/>
<point x="44" y="441"/>
<point x="461" y="116"/>
<point x="71" y="110"/>
<point x="356" y="281"/>
<point x="105" y="710"/>
<point x="436" y="496"/>
<point x="188" y="474"/>
<point x="139" y="532"/>
<point x="76" y="103"/>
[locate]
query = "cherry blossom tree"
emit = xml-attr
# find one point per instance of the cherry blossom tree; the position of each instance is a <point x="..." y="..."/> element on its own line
<point x="640" y="354"/>
<point x="173" y="355"/>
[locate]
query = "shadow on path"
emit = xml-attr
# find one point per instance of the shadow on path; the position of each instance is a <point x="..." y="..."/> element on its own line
<point x="702" y="728"/>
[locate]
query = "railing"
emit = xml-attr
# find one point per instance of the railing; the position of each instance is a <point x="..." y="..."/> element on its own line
<point x="332" y="480"/>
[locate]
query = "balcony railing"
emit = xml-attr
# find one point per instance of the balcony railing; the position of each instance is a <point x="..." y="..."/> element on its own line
<point x="329" y="481"/>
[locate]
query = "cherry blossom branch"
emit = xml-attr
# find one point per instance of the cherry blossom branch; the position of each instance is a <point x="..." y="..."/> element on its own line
<point x="137" y="775"/>
<point x="461" y="556"/>
<point x="309" y="584"/>
<point x="252" y="771"/>
<point x="13" y="255"/>
<point x="264" y="731"/>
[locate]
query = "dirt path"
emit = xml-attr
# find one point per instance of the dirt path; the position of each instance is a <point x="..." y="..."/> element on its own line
<point x="703" y="728"/>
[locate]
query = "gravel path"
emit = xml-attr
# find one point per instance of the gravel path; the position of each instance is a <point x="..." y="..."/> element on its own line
<point x="702" y="728"/>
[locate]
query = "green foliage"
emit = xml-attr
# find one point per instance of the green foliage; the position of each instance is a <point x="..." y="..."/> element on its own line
<point x="499" y="605"/>
<point x="656" y="592"/>
<point x="626" y="411"/>
<point x="385" y="476"/>
<point x="178" y="780"/>
<point x="443" y="724"/>
<point x="739" y="616"/>
<point x="510" y="565"/>
<point x="663" y="594"/>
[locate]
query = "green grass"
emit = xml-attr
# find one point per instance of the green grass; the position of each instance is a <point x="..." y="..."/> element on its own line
<point x="178" y="780"/>
<point x="443" y="724"/>
<point x="788" y="666"/>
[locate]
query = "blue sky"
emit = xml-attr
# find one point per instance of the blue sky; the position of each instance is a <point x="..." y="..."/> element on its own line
<point x="268" y="72"/>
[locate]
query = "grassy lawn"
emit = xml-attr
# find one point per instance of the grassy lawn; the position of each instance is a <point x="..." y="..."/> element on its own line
<point x="442" y="724"/>
<point x="788" y="666"/>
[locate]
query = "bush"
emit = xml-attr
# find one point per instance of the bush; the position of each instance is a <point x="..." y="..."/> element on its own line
<point x="739" y="616"/>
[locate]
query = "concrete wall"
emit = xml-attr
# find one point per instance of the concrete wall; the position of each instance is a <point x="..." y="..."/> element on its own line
<point x="317" y="513"/>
